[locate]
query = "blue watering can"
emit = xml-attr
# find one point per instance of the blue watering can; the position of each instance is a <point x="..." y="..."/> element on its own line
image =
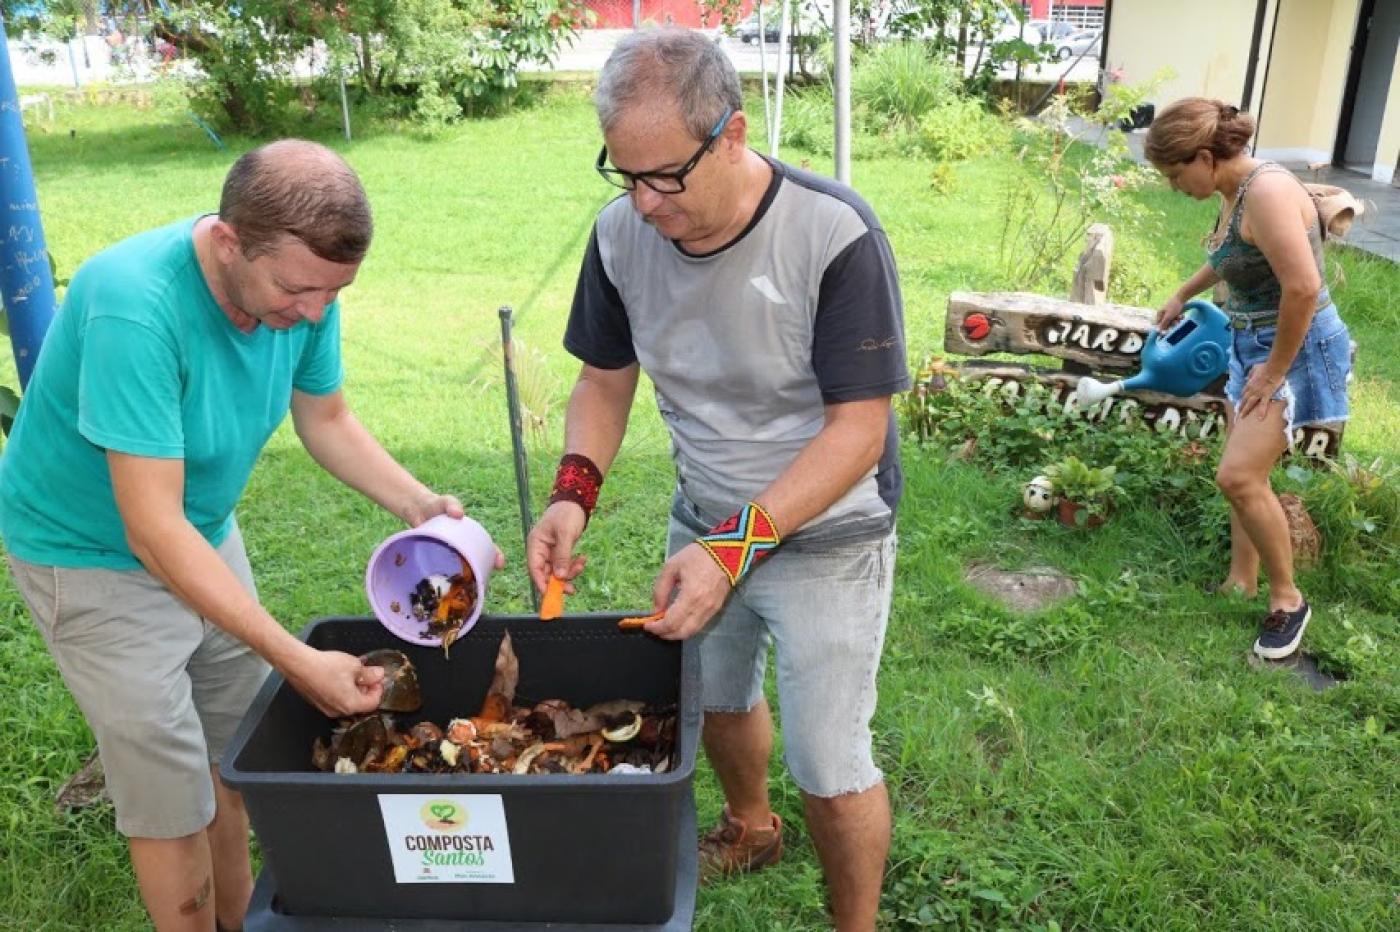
<point x="1182" y="361"/>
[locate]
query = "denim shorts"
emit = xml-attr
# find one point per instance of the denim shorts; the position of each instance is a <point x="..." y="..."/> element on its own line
<point x="1316" y="386"/>
<point x="826" y="610"/>
<point x="162" y="688"/>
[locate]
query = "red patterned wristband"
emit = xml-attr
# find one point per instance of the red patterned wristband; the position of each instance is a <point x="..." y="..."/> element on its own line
<point x="741" y="541"/>
<point x="577" y="480"/>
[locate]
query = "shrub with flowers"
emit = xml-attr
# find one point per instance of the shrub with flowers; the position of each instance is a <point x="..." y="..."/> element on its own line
<point x="1071" y="187"/>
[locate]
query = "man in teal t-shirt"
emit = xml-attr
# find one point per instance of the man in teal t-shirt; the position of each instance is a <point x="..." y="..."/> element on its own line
<point x="175" y="356"/>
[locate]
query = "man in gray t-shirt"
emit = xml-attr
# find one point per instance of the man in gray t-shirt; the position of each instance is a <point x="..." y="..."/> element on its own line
<point x="763" y="303"/>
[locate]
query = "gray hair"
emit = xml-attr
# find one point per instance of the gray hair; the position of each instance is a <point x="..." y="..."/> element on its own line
<point x="679" y="64"/>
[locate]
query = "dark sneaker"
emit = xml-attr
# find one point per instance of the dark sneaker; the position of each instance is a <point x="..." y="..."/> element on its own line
<point x="732" y="847"/>
<point x="1281" y="632"/>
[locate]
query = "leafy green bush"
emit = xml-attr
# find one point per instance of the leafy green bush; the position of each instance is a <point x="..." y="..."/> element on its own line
<point x="430" y="60"/>
<point x="1356" y="507"/>
<point x="895" y="85"/>
<point x="958" y="128"/>
<point x="1020" y="435"/>
<point x="809" y="120"/>
<point x="1095" y="487"/>
<point x="1065" y="187"/>
<point x="906" y="102"/>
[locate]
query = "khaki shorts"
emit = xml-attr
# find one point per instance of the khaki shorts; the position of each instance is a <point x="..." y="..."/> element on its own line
<point x="825" y="610"/>
<point x="161" y="688"/>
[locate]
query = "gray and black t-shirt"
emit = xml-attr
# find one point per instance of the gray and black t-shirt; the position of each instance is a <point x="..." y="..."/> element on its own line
<point x="745" y="345"/>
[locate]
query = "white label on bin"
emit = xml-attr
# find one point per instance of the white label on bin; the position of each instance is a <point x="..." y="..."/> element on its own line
<point x="447" y="838"/>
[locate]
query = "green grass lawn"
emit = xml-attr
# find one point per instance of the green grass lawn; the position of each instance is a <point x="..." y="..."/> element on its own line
<point x="1112" y="763"/>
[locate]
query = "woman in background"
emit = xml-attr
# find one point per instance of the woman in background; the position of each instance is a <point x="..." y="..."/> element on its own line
<point x="1290" y="354"/>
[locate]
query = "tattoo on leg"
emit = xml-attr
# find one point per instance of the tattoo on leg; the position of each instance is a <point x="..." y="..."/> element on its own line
<point x="197" y="902"/>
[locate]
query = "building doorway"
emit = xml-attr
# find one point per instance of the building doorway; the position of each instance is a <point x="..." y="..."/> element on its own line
<point x="1368" y="84"/>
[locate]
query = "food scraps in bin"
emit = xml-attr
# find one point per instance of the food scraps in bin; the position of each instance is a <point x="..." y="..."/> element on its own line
<point x="622" y="736"/>
<point x="444" y="603"/>
<point x="364" y="739"/>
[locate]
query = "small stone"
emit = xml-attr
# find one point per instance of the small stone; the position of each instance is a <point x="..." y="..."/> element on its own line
<point x="1023" y="591"/>
<point x="1302" y="532"/>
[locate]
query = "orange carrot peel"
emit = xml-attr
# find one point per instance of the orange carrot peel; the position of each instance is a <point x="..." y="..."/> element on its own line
<point x="552" y="604"/>
<point x="641" y="621"/>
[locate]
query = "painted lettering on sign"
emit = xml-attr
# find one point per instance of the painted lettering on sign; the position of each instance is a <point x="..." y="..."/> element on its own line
<point x="1192" y="422"/>
<point x="1166" y="418"/>
<point x="1091" y="337"/>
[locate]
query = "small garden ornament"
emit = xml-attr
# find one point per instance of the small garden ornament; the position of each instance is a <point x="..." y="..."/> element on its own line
<point x="1039" y="495"/>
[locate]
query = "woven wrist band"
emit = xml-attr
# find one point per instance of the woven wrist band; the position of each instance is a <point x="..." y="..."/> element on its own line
<point x="742" y="540"/>
<point x="577" y="480"/>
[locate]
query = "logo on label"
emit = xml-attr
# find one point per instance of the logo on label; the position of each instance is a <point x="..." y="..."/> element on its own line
<point x="768" y="289"/>
<point x="443" y="815"/>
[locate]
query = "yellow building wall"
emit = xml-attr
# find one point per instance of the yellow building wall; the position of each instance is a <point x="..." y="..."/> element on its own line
<point x="1388" y="148"/>
<point x="1204" y="43"/>
<point x="1299" y="81"/>
<point x="1307" y="77"/>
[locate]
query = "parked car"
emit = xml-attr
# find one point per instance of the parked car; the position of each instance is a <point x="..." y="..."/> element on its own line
<point x="748" y="28"/>
<point x="1052" y="31"/>
<point x="1077" y="43"/>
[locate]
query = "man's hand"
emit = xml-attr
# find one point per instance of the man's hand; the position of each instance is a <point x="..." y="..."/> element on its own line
<point x="703" y="588"/>
<point x="336" y="683"/>
<point x="550" y="547"/>
<point x="430" y="505"/>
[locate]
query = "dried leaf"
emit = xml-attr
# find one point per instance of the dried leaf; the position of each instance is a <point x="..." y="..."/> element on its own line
<point x="507" y="670"/>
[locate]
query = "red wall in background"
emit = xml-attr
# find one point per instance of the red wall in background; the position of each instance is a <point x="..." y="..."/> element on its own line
<point x="1041" y="8"/>
<point x="617" y="14"/>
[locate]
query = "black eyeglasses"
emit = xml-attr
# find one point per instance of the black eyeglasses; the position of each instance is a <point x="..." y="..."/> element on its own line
<point x="661" y="182"/>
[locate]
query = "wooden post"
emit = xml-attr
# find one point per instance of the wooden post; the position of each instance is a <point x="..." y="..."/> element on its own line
<point x="1091" y="273"/>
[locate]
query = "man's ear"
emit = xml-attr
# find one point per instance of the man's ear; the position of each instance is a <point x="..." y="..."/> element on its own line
<point x="736" y="135"/>
<point x="224" y="239"/>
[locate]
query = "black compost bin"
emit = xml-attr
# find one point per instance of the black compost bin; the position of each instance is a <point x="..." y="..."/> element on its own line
<point x="595" y="848"/>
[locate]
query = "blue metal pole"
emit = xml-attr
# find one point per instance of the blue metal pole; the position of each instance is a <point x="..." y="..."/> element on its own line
<point x="26" y="281"/>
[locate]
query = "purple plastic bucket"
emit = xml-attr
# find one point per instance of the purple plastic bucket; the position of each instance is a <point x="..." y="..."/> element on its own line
<point x="438" y="545"/>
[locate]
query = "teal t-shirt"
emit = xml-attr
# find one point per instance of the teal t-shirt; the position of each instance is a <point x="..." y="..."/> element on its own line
<point x="141" y="360"/>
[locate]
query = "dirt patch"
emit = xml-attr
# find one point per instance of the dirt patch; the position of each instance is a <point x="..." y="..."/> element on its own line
<point x="1302" y="665"/>
<point x="1022" y="591"/>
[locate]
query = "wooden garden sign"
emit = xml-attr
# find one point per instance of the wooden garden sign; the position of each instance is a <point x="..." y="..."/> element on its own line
<point x="1099" y="339"/>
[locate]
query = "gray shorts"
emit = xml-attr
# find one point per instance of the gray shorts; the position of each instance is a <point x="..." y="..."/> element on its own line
<point x="161" y="688"/>
<point x="826" y="611"/>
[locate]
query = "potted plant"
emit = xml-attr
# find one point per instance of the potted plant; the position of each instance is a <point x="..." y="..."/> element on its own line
<point x="1086" y="493"/>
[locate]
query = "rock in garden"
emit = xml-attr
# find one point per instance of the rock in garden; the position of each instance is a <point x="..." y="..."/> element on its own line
<point x="1302" y="532"/>
<point x="1023" y="591"/>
